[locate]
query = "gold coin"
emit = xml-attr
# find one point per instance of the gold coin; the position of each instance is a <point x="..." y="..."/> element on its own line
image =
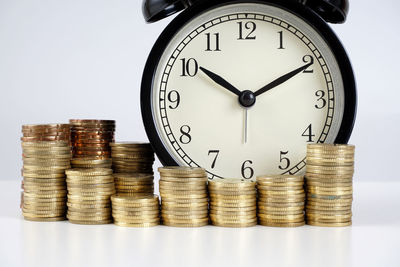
<point x="175" y="205"/>
<point x="293" y="193"/>
<point x="234" y="225"/>
<point x="280" y="179"/>
<point x="184" y="213"/>
<point x="251" y="213"/>
<point x="229" y="183"/>
<point x="181" y="170"/>
<point x="299" y="204"/>
<point x="281" y="217"/>
<point x="279" y="188"/>
<point x="83" y="198"/>
<point x="285" y="199"/>
<point x="186" y="225"/>
<point x="232" y="220"/>
<point x="88" y="172"/>
<point x="214" y="196"/>
<point x="273" y="224"/>
<point x="280" y="213"/>
<point x="46" y="215"/>
<point x="199" y="221"/>
<point x="233" y="203"/>
<point x="341" y="224"/>
<point x="94" y="222"/>
<point x="44" y="219"/>
<point x="139" y="225"/>
<point x="172" y="197"/>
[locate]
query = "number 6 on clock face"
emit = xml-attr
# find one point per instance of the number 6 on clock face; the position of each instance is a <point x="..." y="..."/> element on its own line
<point x="241" y="88"/>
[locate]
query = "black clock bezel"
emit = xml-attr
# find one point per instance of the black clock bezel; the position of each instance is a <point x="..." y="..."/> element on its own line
<point x="297" y="9"/>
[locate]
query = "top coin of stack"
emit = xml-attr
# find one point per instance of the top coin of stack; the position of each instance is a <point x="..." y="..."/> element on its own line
<point x="281" y="200"/>
<point x="45" y="162"/>
<point x="233" y="202"/>
<point x="184" y="200"/>
<point x="46" y="132"/>
<point x="329" y="178"/>
<point x="130" y="157"/>
<point x="92" y="138"/>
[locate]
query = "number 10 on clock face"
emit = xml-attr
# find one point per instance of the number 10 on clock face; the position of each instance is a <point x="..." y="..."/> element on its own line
<point x="241" y="93"/>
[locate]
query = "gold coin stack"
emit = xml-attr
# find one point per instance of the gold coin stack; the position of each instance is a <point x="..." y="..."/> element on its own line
<point x="46" y="132"/>
<point x="184" y="200"/>
<point x="233" y="203"/>
<point x="91" y="163"/>
<point x="89" y="195"/>
<point x="134" y="184"/>
<point x="134" y="211"/>
<point x="281" y="200"/>
<point x="92" y="138"/>
<point x="45" y="192"/>
<point x="130" y="157"/>
<point x="329" y="179"/>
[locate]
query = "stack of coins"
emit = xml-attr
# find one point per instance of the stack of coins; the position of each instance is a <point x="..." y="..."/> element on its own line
<point x="91" y="163"/>
<point x="92" y="138"/>
<point x="281" y="200"/>
<point x="184" y="200"/>
<point x="329" y="179"/>
<point x="129" y="157"/>
<point x="46" y="132"/>
<point x="133" y="211"/>
<point x="233" y="203"/>
<point x="134" y="184"/>
<point x="89" y="195"/>
<point x="45" y="192"/>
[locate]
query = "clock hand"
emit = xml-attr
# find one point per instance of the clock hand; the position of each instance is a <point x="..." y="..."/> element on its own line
<point x="281" y="79"/>
<point x="221" y="81"/>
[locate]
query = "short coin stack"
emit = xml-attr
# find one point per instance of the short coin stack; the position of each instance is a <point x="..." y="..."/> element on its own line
<point x="134" y="184"/>
<point x="45" y="191"/>
<point x="281" y="200"/>
<point x="130" y="157"/>
<point x="91" y="163"/>
<point x="46" y="132"/>
<point x="92" y="138"/>
<point x="134" y="211"/>
<point x="89" y="195"/>
<point x="184" y="200"/>
<point x="233" y="203"/>
<point x="329" y="179"/>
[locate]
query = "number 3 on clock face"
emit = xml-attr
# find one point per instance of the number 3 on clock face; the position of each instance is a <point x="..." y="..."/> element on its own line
<point x="240" y="90"/>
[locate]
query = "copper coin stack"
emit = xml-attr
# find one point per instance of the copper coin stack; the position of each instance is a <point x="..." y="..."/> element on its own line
<point x="136" y="211"/>
<point x="91" y="163"/>
<point x="92" y="138"/>
<point x="184" y="199"/>
<point x="46" y="132"/>
<point x="329" y="179"/>
<point x="131" y="157"/>
<point x="281" y="200"/>
<point x="134" y="184"/>
<point x="233" y="202"/>
<point x="89" y="195"/>
<point x="45" y="192"/>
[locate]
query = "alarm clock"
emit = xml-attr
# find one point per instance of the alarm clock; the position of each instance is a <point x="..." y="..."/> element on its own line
<point x="240" y="87"/>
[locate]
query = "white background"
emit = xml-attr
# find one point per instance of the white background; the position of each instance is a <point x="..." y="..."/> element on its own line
<point x="84" y="59"/>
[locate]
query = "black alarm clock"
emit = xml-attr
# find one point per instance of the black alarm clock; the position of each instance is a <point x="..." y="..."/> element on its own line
<point x="240" y="87"/>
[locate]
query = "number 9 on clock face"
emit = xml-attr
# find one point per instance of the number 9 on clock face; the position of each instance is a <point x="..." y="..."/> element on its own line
<point x="242" y="87"/>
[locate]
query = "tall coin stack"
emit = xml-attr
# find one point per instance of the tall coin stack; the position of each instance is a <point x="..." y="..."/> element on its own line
<point x="329" y="179"/>
<point x="130" y="157"/>
<point x="89" y="195"/>
<point x="134" y="184"/>
<point x="184" y="200"/>
<point x="281" y="200"/>
<point x="133" y="211"/>
<point x="233" y="203"/>
<point x="45" y="192"/>
<point x="92" y="138"/>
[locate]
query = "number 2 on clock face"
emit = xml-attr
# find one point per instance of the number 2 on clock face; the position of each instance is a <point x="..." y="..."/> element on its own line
<point x="281" y="62"/>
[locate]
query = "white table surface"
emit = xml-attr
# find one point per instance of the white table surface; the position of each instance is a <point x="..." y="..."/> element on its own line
<point x="373" y="240"/>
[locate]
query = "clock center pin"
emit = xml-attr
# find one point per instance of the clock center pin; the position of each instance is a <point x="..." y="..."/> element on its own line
<point x="247" y="99"/>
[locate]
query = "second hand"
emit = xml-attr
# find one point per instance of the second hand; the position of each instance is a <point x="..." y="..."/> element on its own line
<point x="245" y="124"/>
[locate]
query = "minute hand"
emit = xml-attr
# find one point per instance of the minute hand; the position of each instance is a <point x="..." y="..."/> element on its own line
<point x="281" y="79"/>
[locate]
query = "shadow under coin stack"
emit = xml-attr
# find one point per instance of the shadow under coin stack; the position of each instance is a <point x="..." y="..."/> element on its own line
<point x="130" y="157"/>
<point x="281" y="200"/>
<point x="133" y="211"/>
<point x="131" y="184"/>
<point x="89" y="195"/>
<point x="92" y="138"/>
<point x="329" y="179"/>
<point x="233" y="203"/>
<point x="184" y="200"/>
<point x="45" y="191"/>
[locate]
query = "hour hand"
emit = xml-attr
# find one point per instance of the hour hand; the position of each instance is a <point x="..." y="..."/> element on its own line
<point x="221" y="81"/>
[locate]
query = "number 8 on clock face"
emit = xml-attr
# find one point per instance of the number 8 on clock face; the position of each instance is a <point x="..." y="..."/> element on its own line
<point x="241" y="87"/>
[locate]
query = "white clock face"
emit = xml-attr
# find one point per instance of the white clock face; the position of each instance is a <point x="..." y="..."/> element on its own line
<point x="276" y="56"/>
